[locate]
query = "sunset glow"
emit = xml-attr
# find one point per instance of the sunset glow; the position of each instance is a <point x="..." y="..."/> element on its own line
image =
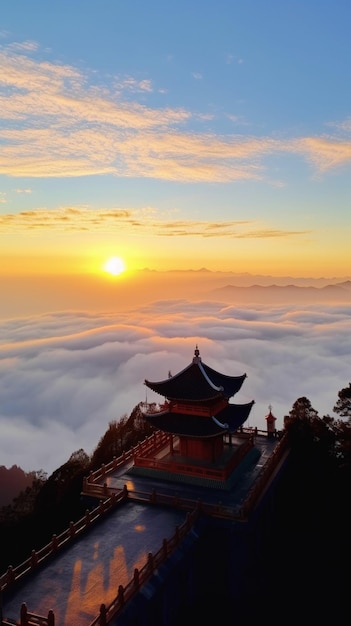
<point x="234" y="159"/>
<point x="171" y="175"/>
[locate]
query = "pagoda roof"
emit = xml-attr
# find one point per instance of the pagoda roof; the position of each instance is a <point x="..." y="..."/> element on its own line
<point x="228" y="419"/>
<point x="197" y="382"/>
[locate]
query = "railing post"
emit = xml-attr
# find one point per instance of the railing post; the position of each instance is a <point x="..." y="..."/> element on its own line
<point x="87" y="517"/>
<point x="150" y="560"/>
<point x="51" y="618"/>
<point x="136" y="577"/>
<point x="72" y="529"/>
<point x="10" y="575"/>
<point x="54" y="543"/>
<point x="24" y="615"/>
<point x="103" y="615"/>
<point x="33" y="558"/>
<point x="121" y="594"/>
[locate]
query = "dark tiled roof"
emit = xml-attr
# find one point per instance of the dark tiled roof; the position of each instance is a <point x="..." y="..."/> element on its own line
<point x="197" y="382"/>
<point x="229" y="419"/>
<point x="235" y="415"/>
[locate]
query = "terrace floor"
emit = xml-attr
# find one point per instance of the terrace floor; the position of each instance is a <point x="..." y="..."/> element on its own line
<point x="89" y="572"/>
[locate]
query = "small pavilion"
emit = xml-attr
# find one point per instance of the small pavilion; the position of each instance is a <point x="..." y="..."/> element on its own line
<point x="270" y="419"/>
<point x="204" y="429"/>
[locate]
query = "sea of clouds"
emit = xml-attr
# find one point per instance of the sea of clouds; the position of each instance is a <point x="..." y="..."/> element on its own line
<point x="65" y="376"/>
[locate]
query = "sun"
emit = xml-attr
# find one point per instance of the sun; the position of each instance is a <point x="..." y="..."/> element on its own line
<point x="114" y="265"/>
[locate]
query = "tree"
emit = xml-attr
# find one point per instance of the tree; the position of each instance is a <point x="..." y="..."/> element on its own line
<point x="80" y="457"/>
<point x="343" y="405"/>
<point x="111" y="443"/>
<point x="120" y="436"/>
<point x="300" y="422"/>
<point x="302" y="409"/>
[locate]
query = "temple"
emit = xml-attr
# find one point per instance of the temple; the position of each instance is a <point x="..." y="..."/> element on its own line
<point x="203" y="427"/>
<point x="183" y="521"/>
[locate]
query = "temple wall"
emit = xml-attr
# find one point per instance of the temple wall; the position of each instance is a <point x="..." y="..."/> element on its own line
<point x="219" y="569"/>
<point x="203" y="449"/>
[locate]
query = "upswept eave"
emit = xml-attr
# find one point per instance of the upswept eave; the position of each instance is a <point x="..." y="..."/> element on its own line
<point x="229" y="419"/>
<point x="197" y="382"/>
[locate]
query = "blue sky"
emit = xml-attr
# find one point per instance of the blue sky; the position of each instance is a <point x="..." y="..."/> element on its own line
<point x="223" y="128"/>
<point x="179" y="135"/>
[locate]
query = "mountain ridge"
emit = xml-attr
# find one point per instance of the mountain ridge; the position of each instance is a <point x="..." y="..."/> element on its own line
<point x="339" y="292"/>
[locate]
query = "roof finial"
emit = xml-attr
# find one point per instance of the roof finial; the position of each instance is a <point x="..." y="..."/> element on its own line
<point x="270" y="417"/>
<point x="197" y="357"/>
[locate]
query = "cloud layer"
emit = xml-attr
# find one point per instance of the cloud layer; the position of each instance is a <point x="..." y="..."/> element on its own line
<point x="58" y="120"/>
<point x="65" y="376"/>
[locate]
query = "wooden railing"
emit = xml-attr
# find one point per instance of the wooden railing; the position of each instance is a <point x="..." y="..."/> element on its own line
<point x="107" y="613"/>
<point x="155" y="442"/>
<point x="30" y="619"/>
<point x="125" y="593"/>
<point x="37" y="558"/>
<point x="265" y="475"/>
<point x="235" y="513"/>
<point x="194" y="470"/>
<point x="112" y="497"/>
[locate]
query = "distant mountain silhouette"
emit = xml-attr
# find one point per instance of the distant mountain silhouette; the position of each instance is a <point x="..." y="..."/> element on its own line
<point x="340" y="292"/>
<point x="12" y="482"/>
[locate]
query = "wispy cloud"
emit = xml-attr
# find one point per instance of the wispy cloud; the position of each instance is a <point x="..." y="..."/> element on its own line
<point x="144" y="221"/>
<point x="325" y="153"/>
<point x="133" y="85"/>
<point x="58" y="122"/>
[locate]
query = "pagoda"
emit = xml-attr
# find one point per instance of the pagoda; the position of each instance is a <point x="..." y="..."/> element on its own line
<point x="199" y="420"/>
